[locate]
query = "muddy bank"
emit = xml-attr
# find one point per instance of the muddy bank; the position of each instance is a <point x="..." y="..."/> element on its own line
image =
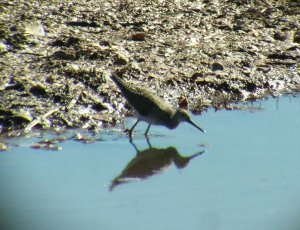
<point x="56" y="58"/>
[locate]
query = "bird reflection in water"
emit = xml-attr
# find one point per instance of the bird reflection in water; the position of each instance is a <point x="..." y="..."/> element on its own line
<point x="149" y="162"/>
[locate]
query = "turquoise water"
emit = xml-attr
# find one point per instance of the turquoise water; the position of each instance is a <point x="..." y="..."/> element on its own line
<point x="247" y="178"/>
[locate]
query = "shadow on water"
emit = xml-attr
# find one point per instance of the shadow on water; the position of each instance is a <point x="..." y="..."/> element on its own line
<point x="150" y="162"/>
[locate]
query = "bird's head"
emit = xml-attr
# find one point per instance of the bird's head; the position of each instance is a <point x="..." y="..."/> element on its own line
<point x="182" y="115"/>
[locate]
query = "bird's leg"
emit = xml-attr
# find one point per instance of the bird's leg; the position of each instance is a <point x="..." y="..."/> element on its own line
<point x="146" y="133"/>
<point x="130" y="131"/>
<point x="148" y="142"/>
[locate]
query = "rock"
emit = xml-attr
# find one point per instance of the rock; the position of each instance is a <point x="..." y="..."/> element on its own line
<point x="38" y="90"/>
<point x="282" y="35"/>
<point x="35" y="28"/>
<point x="138" y="37"/>
<point x="120" y="60"/>
<point x="217" y="67"/>
<point x="3" y="147"/>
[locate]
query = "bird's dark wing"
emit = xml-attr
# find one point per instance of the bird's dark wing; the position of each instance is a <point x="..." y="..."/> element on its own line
<point x="142" y="100"/>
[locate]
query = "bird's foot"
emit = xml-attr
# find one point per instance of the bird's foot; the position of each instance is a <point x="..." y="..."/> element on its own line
<point x="129" y="133"/>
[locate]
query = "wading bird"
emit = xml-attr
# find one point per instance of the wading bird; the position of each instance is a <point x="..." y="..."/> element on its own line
<point x="150" y="108"/>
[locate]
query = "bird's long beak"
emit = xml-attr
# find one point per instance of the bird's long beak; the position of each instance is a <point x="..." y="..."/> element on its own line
<point x="196" y="126"/>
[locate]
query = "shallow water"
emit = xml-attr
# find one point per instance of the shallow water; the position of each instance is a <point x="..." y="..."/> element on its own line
<point x="248" y="177"/>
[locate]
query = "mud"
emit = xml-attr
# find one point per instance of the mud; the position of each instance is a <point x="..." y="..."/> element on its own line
<point x="56" y="58"/>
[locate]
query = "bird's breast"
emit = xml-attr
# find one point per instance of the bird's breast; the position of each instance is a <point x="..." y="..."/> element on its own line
<point x="155" y="119"/>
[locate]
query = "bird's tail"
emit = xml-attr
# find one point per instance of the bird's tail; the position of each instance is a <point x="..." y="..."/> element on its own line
<point x="117" y="79"/>
<point x="122" y="85"/>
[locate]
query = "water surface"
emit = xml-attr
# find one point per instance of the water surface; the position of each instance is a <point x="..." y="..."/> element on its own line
<point x="248" y="177"/>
